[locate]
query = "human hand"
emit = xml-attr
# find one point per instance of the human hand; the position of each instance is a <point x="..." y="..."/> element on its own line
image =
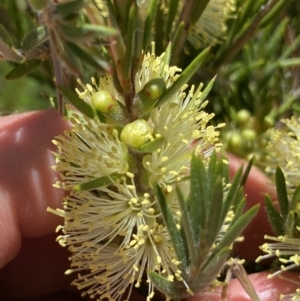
<point x="32" y="264"/>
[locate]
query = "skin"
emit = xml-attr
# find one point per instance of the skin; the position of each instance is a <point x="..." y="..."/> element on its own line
<point x="32" y="264"/>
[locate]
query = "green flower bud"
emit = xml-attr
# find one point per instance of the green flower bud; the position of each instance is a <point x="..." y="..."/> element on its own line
<point x="155" y="88"/>
<point x="235" y="141"/>
<point x="103" y="101"/>
<point x="249" y="134"/>
<point x="136" y="133"/>
<point x="243" y="117"/>
<point x="268" y="122"/>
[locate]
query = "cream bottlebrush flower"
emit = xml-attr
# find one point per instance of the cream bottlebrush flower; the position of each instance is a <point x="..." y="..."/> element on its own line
<point x="113" y="225"/>
<point x="287" y="249"/>
<point x="210" y="28"/>
<point x="284" y="151"/>
<point x="89" y="150"/>
<point x="113" y="234"/>
<point x="181" y="122"/>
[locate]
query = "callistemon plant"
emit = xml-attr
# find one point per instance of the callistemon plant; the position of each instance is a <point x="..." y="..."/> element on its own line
<point x="127" y="172"/>
<point x="148" y="195"/>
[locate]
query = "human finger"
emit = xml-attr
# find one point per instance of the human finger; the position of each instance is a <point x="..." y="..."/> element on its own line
<point x="26" y="178"/>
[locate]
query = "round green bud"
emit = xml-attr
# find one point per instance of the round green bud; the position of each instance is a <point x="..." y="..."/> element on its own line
<point x="136" y="133"/>
<point x="155" y="88"/>
<point x="103" y="101"/>
<point x="249" y="134"/>
<point x="243" y="117"/>
<point x="235" y="141"/>
<point x="268" y="122"/>
<point x="37" y="4"/>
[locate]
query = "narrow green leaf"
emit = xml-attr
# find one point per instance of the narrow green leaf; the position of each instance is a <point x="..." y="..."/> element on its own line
<point x="211" y="170"/>
<point x="169" y="23"/>
<point x="274" y="217"/>
<point x="73" y="34"/>
<point x="159" y="33"/>
<point x="290" y="225"/>
<point x="184" y="77"/>
<point x="239" y="21"/>
<point x="138" y="55"/>
<point x="96" y="183"/>
<point x="291" y="62"/>
<point x="187" y="228"/>
<point x="86" y="32"/>
<point x="198" y="196"/>
<point x="22" y="70"/>
<point x="274" y="42"/>
<point x="130" y="36"/>
<point x="80" y="104"/>
<point x="178" y="291"/>
<point x="5" y="36"/>
<point x="174" y="289"/>
<point x="34" y="38"/>
<point x="234" y="187"/>
<point x="98" y="65"/>
<point x="243" y="71"/>
<point x="10" y="54"/>
<point x="208" y="88"/>
<point x="211" y="270"/>
<point x="149" y="24"/>
<point x="103" y="31"/>
<point x="175" y="236"/>
<point x="246" y="172"/>
<point x="276" y="10"/>
<point x="281" y="192"/>
<point x="239" y="209"/>
<point x="295" y="199"/>
<point x="71" y="7"/>
<point x="290" y="48"/>
<point x="234" y="230"/>
<point x="197" y="11"/>
<point x="117" y="45"/>
<point x="225" y="170"/>
<point x="7" y="50"/>
<point x="214" y="171"/>
<point x="177" y="38"/>
<point x="152" y="145"/>
<point x="15" y="12"/>
<point x="166" y="59"/>
<point x="214" y="222"/>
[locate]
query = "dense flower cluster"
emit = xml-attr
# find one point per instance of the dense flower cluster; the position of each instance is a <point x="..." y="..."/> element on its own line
<point x="211" y="27"/>
<point x="284" y="151"/>
<point x="113" y="225"/>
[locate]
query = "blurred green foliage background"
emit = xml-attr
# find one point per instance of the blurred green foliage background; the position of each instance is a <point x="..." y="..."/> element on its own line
<point x="24" y="94"/>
